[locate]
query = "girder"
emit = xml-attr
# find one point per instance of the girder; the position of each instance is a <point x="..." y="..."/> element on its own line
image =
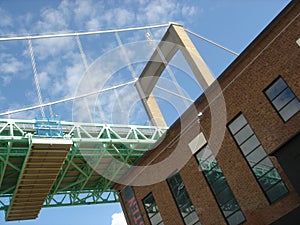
<point x="77" y="182"/>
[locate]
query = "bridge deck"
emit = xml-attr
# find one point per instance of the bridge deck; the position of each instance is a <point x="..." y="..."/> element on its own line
<point x="38" y="176"/>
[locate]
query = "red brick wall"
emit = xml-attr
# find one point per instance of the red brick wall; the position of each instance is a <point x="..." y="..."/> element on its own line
<point x="273" y="53"/>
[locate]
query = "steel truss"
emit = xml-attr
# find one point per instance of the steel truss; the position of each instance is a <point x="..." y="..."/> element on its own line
<point x="112" y="149"/>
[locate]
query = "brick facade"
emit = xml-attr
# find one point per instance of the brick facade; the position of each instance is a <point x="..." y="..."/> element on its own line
<point x="273" y="53"/>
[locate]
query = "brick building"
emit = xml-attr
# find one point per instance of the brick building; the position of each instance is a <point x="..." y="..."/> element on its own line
<point x="241" y="168"/>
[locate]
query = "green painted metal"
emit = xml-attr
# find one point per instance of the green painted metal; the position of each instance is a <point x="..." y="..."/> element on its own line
<point x="5" y="162"/>
<point x="23" y="166"/>
<point x="77" y="183"/>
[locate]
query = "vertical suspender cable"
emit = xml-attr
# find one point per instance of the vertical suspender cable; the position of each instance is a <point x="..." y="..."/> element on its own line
<point x="102" y="116"/>
<point x="51" y="112"/>
<point x="86" y="67"/>
<point x="118" y="100"/>
<point x="83" y="57"/>
<point x="37" y="85"/>
<point x="132" y="72"/>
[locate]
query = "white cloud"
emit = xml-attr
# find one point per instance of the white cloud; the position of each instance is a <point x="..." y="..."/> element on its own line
<point x="188" y="10"/>
<point x="28" y="17"/>
<point x="52" y="46"/>
<point x="6" y="19"/>
<point x="59" y="66"/>
<point x="124" y="16"/>
<point x="93" y="24"/>
<point x="118" y="17"/>
<point x="95" y="14"/>
<point x="158" y="11"/>
<point x="10" y="64"/>
<point x="58" y="60"/>
<point x="62" y="77"/>
<point x="74" y="73"/>
<point x="52" y="20"/>
<point x="91" y="14"/>
<point x="118" y="219"/>
<point x="44" y="80"/>
<point x="30" y="114"/>
<point x="6" y="79"/>
<point x="84" y="8"/>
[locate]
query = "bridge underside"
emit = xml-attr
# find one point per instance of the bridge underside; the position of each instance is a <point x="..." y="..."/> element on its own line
<point x="77" y="168"/>
<point x="40" y="170"/>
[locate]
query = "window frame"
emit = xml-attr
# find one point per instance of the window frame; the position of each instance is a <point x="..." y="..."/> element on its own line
<point x="175" y="199"/>
<point x="271" y="101"/>
<point x="251" y="168"/>
<point x="214" y="182"/>
<point x="158" y="212"/>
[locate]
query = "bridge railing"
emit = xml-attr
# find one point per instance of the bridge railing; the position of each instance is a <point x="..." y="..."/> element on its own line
<point x="81" y="131"/>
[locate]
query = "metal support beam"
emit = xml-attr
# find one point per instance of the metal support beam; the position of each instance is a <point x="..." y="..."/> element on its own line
<point x="5" y="163"/>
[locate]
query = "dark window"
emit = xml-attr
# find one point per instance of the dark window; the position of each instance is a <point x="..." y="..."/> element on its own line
<point x="283" y="99"/>
<point x="219" y="186"/>
<point x="257" y="158"/>
<point x="152" y="210"/>
<point x="183" y="201"/>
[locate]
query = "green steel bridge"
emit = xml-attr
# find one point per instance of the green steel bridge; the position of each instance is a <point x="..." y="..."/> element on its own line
<point x="48" y="163"/>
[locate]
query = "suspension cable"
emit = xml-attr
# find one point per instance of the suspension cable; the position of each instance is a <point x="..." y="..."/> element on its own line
<point x="81" y="33"/>
<point x="212" y="42"/>
<point x="173" y="93"/>
<point x="66" y="99"/>
<point x="41" y="105"/>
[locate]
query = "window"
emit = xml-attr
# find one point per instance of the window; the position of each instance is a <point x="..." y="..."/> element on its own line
<point x="152" y="210"/>
<point x="283" y="99"/>
<point x="257" y="158"/>
<point x="219" y="186"/>
<point x="183" y="201"/>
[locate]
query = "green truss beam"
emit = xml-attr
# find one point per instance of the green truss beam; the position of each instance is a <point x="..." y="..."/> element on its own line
<point x="77" y="183"/>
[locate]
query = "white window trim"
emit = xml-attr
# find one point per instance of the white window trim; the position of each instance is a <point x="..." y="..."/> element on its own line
<point x="198" y="142"/>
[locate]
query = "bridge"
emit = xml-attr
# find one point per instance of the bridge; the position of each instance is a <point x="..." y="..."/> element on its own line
<point x="45" y="163"/>
<point x="52" y="163"/>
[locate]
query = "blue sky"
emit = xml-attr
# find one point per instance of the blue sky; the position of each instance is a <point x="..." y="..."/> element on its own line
<point x="231" y="23"/>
